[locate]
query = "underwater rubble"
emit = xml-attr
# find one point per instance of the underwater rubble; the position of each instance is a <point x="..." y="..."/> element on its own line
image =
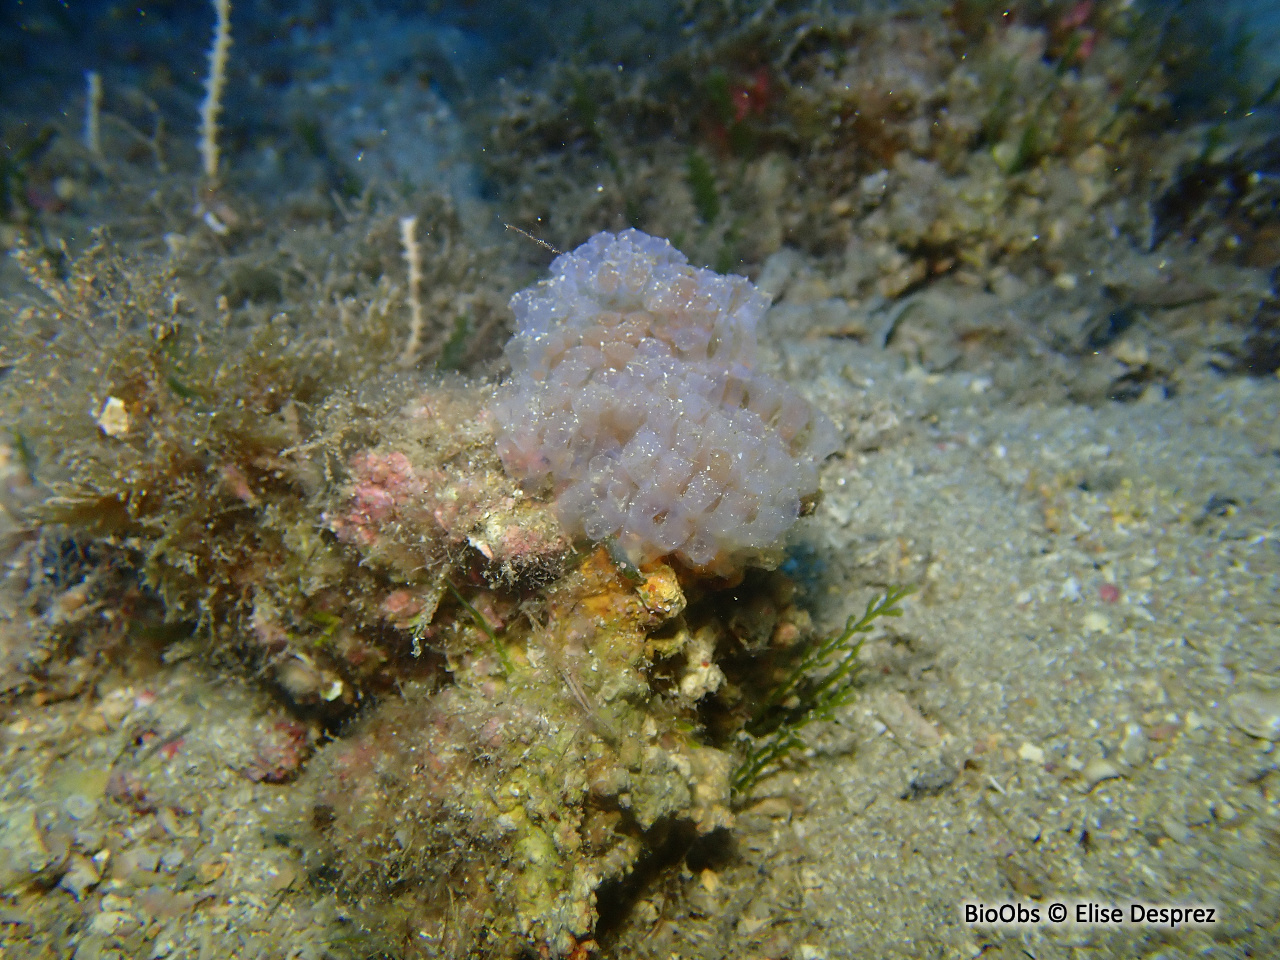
<point x="296" y="641"/>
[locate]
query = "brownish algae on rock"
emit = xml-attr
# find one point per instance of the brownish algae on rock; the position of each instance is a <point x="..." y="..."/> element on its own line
<point x="459" y="734"/>
<point x="495" y="808"/>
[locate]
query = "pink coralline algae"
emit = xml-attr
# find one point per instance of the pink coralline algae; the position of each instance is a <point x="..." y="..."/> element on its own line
<point x="633" y="392"/>
<point x="433" y="494"/>
<point x="384" y="481"/>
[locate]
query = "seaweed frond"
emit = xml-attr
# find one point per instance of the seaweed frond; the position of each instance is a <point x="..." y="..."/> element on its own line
<point x="702" y="183"/>
<point x="823" y="679"/>
<point x="498" y="647"/>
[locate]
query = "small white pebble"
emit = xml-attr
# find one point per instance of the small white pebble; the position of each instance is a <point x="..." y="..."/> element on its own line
<point x="114" y="418"/>
<point x="116" y="904"/>
<point x="1095" y="771"/>
<point x="710" y="881"/>
<point x="79" y="807"/>
<point x="1030" y="752"/>
<point x="1175" y="829"/>
<point x="107" y="922"/>
<point x="1133" y="750"/>
<point x="1257" y="713"/>
<point x="82" y="874"/>
<point x="1095" y="622"/>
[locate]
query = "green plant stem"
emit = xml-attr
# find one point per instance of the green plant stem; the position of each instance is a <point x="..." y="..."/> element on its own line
<point x="823" y="680"/>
